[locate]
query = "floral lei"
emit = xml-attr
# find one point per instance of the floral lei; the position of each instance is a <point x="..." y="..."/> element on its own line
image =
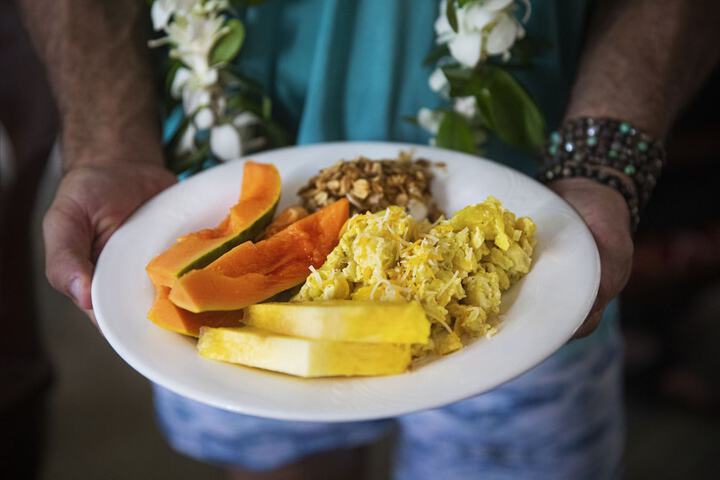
<point x="225" y="115"/>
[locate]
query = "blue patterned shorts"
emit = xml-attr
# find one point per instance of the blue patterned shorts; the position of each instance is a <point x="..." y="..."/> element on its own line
<point x="561" y="420"/>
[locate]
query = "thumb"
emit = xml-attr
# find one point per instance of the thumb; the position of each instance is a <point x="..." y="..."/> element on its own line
<point x="68" y="240"/>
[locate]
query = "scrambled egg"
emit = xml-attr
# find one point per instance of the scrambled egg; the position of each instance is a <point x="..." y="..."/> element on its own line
<point x="456" y="268"/>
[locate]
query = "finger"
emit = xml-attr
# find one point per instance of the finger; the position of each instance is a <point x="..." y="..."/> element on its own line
<point x="93" y="320"/>
<point x="589" y="325"/>
<point x="616" y="265"/>
<point x="103" y="235"/>
<point x="68" y="240"/>
<point x="606" y="292"/>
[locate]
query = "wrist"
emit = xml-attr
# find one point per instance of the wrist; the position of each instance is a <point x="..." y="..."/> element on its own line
<point x="610" y="152"/>
<point x="88" y="146"/>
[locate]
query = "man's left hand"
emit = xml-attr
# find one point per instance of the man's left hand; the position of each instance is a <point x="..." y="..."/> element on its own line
<point x="607" y="216"/>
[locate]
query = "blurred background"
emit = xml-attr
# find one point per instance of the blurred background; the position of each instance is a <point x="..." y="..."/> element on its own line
<point x="100" y="417"/>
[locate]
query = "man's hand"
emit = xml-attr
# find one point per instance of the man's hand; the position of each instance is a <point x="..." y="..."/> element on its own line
<point x="91" y="203"/>
<point x="97" y="58"/>
<point x="606" y="214"/>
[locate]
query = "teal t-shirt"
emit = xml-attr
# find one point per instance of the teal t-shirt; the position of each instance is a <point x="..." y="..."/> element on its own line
<point x="353" y="69"/>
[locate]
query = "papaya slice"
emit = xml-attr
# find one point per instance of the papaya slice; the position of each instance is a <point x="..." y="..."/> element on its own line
<point x="259" y="196"/>
<point x="253" y="272"/>
<point x="165" y="314"/>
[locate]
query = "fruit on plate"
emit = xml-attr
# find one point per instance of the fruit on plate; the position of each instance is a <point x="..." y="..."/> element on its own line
<point x="343" y="320"/>
<point x="284" y="219"/>
<point x="259" y="348"/>
<point x="166" y="315"/>
<point x="253" y="272"/>
<point x="259" y="196"/>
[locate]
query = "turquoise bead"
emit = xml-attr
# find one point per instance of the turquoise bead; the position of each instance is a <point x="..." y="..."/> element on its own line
<point x="629" y="170"/>
<point x="624" y="128"/>
<point x="642" y="146"/>
<point x="591" y="141"/>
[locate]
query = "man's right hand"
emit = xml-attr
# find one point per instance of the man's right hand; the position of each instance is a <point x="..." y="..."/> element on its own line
<point x="92" y="201"/>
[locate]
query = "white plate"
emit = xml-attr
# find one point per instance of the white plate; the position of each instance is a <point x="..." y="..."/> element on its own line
<point x="540" y="313"/>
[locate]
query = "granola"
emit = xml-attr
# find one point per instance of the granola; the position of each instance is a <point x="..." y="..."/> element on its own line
<point x="373" y="185"/>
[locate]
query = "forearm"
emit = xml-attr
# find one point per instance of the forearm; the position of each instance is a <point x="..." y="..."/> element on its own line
<point x="96" y="55"/>
<point x="644" y="59"/>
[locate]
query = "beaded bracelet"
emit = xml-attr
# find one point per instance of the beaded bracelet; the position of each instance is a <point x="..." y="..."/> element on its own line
<point x="610" y="151"/>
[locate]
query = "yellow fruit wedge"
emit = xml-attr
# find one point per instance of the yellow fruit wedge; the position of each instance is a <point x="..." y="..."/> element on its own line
<point x="343" y="320"/>
<point x="254" y="347"/>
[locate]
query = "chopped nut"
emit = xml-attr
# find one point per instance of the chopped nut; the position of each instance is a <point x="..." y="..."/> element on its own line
<point x="334" y="185"/>
<point x="345" y="185"/>
<point x="361" y="188"/>
<point x="321" y="198"/>
<point x="374" y="199"/>
<point x="417" y="209"/>
<point x="396" y="180"/>
<point x="372" y="185"/>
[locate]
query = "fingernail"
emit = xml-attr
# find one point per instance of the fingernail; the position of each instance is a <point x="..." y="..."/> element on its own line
<point x="76" y="289"/>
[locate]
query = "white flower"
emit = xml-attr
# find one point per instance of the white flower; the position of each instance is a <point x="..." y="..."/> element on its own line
<point x="503" y="35"/>
<point x="204" y="118"/>
<point x="187" y="140"/>
<point x="193" y="88"/>
<point x="430" y="120"/>
<point x="192" y="32"/>
<point x="225" y="142"/>
<point x="439" y="83"/>
<point x="466" y="48"/>
<point x="162" y="10"/>
<point x="466" y="106"/>
<point x="195" y="98"/>
<point x="496" y="5"/>
<point x="245" y="119"/>
<point x="485" y="27"/>
<point x="443" y="30"/>
<point x="193" y="37"/>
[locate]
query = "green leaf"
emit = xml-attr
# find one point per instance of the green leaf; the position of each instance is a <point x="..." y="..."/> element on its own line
<point x="411" y="119"/>
<point x="227" y="47"/>
<point x="504" y="106"/>
<point x="438" y="52"/>
<point x="266" y="108"/>
<point x="173" y="66"/>
<point x="459" y="80"/>
<point x="451" y="15"/>
<point x="455" y="133"/>
<point x="232" y="77"/>
<point x="172" y="143"/>
<point x="239" y="103"/>
<point x="190" y="160"/>
<point x="275" y="134"/>
<point x="511" y="112"/>
<point x="462" y="3"/>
